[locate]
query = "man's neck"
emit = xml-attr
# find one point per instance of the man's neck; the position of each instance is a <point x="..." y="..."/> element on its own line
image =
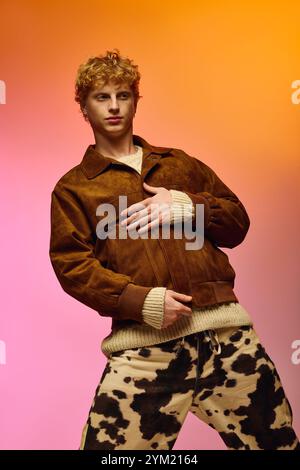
<point x="114" y="147"/>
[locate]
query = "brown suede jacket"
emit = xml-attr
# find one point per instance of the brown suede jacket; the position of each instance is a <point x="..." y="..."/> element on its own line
<point x="114" y="275"/>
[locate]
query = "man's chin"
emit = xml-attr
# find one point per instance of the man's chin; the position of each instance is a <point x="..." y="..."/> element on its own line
<point x="115" y="131"/>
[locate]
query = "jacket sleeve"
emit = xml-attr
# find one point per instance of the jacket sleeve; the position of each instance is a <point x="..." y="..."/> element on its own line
<point x="226" y="221"/>
<point x="79" y="272"/>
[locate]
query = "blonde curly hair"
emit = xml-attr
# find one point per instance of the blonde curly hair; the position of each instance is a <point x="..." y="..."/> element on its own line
<point x="100" y="69"/>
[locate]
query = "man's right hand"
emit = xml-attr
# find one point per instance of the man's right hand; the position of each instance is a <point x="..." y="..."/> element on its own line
<point x="173" y="308"/>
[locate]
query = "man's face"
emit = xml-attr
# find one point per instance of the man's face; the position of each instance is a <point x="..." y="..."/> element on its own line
<point x="108" y="101"/>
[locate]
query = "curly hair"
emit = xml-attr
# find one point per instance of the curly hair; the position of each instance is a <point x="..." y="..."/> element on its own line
<point x="100" y="69"/>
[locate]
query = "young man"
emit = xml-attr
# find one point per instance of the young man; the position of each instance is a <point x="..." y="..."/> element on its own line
<point x="180" y="339"/>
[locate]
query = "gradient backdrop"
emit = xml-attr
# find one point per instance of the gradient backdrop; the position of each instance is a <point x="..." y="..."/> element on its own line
<point x="217" y="82"/>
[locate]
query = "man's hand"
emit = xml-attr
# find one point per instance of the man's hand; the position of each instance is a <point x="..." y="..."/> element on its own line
<point x="173" y="308"/>
<point x="155" y="210"/>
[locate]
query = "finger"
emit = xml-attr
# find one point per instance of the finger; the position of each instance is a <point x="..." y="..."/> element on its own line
<point x="186" y="310"/>
<point x="143" y="217"/>
<point x="140" y="221"/>
<point x="135" y="217"/>
<point x="152" y="189"/>
<point x="185" y="314"/>
<point x="152" y="219"/>
<point x="135" y="207"/>
<point x="180" y="296"/>
<point x="148" y="226"/>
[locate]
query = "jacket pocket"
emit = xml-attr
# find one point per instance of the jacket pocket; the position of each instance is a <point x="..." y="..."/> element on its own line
<point x="209" y="263"/>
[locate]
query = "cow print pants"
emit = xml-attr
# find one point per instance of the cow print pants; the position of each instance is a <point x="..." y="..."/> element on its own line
<point x="223" y="376"/>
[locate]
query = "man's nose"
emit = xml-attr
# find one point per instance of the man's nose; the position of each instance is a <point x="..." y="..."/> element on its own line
<point x="113" y="103"/>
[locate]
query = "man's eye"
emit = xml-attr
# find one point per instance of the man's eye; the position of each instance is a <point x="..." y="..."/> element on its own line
<point x="101" y="97"/>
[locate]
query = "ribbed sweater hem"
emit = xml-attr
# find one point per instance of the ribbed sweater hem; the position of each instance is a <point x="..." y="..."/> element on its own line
<point x="217" y="316"/>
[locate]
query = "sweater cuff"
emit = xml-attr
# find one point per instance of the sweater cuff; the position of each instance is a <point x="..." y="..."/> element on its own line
<point x="180" y="196"/>
<point x="182" y="207"/>
<point x="153" y="308"/>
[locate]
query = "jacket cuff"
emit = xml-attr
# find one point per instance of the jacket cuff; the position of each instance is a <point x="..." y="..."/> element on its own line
<point x="153" y="309"/>
<point x="131" y="302"/>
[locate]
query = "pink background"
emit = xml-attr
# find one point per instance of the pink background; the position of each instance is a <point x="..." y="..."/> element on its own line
<point x="216" y="82"/>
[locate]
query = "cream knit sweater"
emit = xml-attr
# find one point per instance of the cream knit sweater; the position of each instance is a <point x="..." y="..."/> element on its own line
<point x="150" y="332"/>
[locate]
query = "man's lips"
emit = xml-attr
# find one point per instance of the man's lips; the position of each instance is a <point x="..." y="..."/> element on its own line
<point x="117" y="118"/>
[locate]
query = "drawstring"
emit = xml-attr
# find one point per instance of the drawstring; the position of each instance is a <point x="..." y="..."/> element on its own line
<point x="181" y="344"/>
<point x="214" y="341"/>
<point x="197" y="367"/>
<point x="210" y="336"/>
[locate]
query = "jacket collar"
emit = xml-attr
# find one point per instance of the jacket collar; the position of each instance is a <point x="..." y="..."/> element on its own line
<point x="93" y="162"/>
